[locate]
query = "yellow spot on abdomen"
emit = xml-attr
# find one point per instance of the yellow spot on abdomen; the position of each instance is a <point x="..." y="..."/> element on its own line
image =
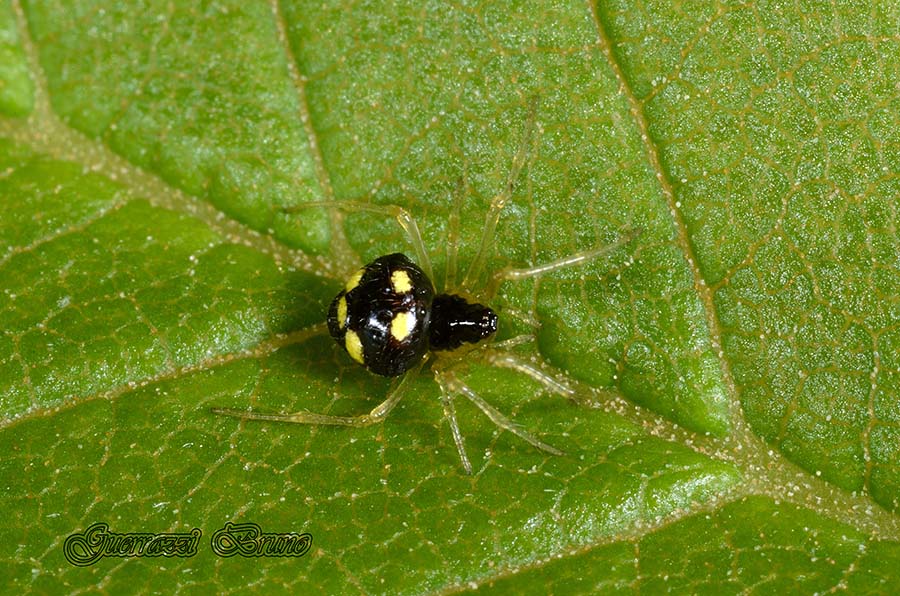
<point x="402" y="325"/>
<point x="354" y="280"/>
<point x="354" y="346"/>
<point x="400" y="281"/>
<point x="342" y="312"/>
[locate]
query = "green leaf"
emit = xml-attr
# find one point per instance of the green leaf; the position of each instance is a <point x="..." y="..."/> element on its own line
<point x="15" y="85"/>
<point x="735" y="425"/>
<point x="750" y="545"/>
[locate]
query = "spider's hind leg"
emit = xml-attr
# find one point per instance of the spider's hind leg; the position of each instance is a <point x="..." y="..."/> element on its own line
<point x="403" y="217"/>
<point x="378" y="413"/>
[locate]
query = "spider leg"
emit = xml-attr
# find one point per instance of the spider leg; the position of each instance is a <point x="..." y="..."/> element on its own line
<point x="499" y="202"/>
<point x="522" y="316"/>
<point x="450" y="413"/>
<point x="378" y="413"/>
<point x="509" y="343"/>
<point x="507" y="360"/>
<point x="456" y="386"/>
<point x="574" y="259"/>
<point x="453" y="239"/>
<point x="406" y="221"/>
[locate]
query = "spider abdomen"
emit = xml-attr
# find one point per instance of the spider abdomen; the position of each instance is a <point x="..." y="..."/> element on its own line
<point x="381" y="316"/>
<point x="387" y="317"/>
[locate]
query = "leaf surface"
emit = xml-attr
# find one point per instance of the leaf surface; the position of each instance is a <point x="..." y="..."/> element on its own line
<point x="734" y="363"/>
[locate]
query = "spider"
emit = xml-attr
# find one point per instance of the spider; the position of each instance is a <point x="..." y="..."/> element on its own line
<point x="389" y="318"/>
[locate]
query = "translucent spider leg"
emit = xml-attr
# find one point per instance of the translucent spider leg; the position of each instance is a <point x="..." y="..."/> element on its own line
<point x="453" y="239"/>
<point x="450" y="413"/>
<point x="406" y="221"/>
<point x="512" y="342"/>
<point x="521" y="316"/>
<point x="499" y="202"/>
<point x="574" y="259"/>
<point x="507" y="360"/>
<point x="377" y="414"/>
<point x="451" y="384"/>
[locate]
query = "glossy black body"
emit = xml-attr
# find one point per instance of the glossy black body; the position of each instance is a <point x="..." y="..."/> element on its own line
<point x="372" y="305"/>
<point x="454" y="321"/>
<point x="432" y="322"/>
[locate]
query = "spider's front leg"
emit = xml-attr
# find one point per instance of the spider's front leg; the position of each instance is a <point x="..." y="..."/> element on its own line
<point x="572" y="260"/>
<point x="451" y="386"/>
